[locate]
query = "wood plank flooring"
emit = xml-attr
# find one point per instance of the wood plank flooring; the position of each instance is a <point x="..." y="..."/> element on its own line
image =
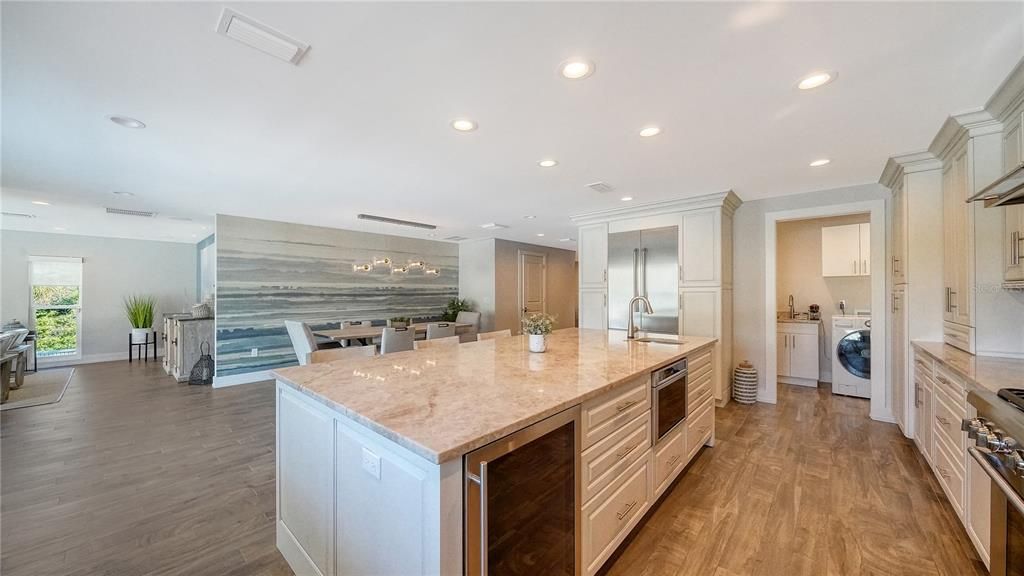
<point x="133" y="474"/>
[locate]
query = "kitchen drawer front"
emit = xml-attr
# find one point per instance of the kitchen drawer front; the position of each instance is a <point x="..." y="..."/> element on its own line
<point x="669" y="459"/>
<point x="700" y="427"/>
<point x="958" y="336"/>
<point x="606" y="414"/>
<point x="696" y="362"/>
<point x="697" y="392"/>
<point x="605" y="461"/>
<point x="947" y="419"/>
<point x="924" y="364"/>
<point x="950" y="472"/>
<point x="952" y="385"/>
<point x="609" y="517"/>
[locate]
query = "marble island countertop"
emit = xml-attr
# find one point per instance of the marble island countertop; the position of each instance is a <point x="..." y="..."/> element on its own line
<point x="987" y="372"/>
<point x="444" y="402"/>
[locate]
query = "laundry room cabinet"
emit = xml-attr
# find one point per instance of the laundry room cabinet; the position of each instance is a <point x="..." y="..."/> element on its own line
<point x="797" y="349"/>
<point x="846" y="250"/>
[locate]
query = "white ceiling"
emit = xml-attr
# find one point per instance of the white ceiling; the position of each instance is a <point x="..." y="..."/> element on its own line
<point x="362" y="124"/>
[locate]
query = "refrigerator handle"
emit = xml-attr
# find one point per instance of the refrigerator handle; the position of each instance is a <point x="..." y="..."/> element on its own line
<point x="643" y="269"/>
<point x="636" y="256"/>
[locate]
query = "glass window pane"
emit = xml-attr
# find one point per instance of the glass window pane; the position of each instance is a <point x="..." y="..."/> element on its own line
<point x="56" y="332"/>
<point x="55" y="295"/>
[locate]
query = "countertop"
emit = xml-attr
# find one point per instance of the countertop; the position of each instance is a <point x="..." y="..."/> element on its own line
<point x="796" y="321"/>
<point x="986" y="372"/>
<point x="444" y="402"/>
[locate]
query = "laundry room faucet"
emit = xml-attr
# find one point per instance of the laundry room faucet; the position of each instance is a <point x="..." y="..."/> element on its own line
<point x="792" y="308"/>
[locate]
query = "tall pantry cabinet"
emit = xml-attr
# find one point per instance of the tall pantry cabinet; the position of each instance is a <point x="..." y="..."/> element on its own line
<point x="705" y="268"/>
<point x="1013" y="216"/>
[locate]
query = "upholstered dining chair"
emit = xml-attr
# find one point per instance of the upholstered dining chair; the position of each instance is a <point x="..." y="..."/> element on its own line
<point x="494" y="335"/>
<point x="397" y="340"/>
<point x="440" y="330"/>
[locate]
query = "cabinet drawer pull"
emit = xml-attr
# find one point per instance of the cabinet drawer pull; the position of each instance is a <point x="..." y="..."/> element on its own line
<point x="942" y="420"/>
<point x="672" y="461"/>
<point x="943" y="472"/>
<point x="626" y="511"/>
<point x="703" y="430"/>
<point x="627" y="452"/>
<point x="626" y="405"/>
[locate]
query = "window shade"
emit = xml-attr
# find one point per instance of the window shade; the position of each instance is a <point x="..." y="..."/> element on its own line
<point x="55" y="271"/>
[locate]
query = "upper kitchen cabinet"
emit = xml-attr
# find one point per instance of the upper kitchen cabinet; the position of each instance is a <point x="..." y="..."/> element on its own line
<point x="701" y="258"/>
<point x="899" y="233"/>
<point x="592" y="253"/>
<point x="1013" y="216"/>
<point x="846" y="250"/>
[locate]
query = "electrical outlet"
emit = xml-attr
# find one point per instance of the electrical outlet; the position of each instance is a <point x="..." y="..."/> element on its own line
<point x="255" y="352"/>
<point x="371" y="463"/>
<point x="842" y="305"/>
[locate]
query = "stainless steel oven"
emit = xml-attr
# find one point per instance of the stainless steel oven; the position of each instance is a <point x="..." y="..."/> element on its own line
<point x="668" y="398"/>
<point x="522" y="511"/>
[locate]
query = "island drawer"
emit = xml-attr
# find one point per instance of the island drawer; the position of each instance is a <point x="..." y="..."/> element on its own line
<point x="700" y="427"/>
<point x="605" y="461"/>
<point x="698" y="390"/>
<point x="609" y="517"/>
<point x="698" y="361"/>
<point x="669" y="458"/>
<point x="605" y="414"/>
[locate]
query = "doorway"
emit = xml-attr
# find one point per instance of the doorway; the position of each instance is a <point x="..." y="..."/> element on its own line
<point x="532" y="281"/>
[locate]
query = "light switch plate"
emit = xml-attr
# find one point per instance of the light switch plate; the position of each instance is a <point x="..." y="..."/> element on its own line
<point x="371" y="463"/>
<point x="255" y="352"/>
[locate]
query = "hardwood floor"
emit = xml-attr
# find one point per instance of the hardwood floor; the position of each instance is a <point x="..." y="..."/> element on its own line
<point x="132" y="474"/>
<point x="809" y="486"/>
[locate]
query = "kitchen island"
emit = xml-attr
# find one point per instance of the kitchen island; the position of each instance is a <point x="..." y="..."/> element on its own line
<point x="372" y="453"/>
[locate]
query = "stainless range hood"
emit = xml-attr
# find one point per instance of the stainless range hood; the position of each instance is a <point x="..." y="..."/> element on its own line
<point x="1006" y="191"/>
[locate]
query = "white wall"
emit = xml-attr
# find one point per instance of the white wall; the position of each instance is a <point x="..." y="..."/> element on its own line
<point x="748" y="262"/>
<point x="476" y="279"/>
<point x="112" y="269"/>
<point x="798" y="265"/>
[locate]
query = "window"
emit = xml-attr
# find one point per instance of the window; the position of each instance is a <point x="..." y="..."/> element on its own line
<point x="57" y="305"/>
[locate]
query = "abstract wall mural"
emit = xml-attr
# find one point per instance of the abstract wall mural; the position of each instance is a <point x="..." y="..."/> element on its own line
<point x="269" y="272"/>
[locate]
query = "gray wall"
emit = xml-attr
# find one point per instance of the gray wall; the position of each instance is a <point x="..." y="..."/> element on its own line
<point x="748" y="262"/>
<point x="112" y="268"/>
<point x="269" y="272"/>
<point x="476" y="279"/>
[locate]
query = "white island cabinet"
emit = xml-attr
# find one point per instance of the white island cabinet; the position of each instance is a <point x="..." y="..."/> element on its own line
<point x="377" y="457"/>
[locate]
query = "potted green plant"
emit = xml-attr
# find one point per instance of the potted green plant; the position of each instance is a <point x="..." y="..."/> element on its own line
<point x="455" y="305"/>
<point x="139" y="310"/>
<point x="538" y="326"/>
<point x="399" y="322"/>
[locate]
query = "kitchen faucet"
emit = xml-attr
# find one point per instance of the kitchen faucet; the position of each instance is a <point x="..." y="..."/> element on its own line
<point x="792" y="309"/>
<point x="631" y="328"/>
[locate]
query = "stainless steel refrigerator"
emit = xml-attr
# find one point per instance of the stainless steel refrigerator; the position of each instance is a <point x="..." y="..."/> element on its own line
<point x="644" y="262"/>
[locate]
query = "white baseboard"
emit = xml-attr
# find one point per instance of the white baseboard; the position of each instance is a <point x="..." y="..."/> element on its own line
<point x="884" y="417"/>
<point x="58" y="361"/>
<point x="247" y="378"/>
<point x="999" y="354"/>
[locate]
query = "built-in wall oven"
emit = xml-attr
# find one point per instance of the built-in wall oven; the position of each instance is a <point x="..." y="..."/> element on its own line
<point x="668" y="398"/>
<point x="522" y="504"/>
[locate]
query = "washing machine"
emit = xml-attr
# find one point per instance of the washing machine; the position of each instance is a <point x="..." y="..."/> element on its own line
<point x="851" y="356"/>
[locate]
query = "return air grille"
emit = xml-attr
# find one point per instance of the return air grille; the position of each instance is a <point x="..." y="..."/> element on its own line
<point x="124" y="212"/>
<point x="19" y="215"/>
<point x="456" y="238"/>
<point x="257" y="35"/>
<point x="600" y="187"/>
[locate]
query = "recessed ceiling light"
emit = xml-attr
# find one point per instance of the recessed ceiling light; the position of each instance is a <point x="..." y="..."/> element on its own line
<point x="576" y="69"/>
<point x="40" y="203"/>
<point x="816" y="80"/>
<point x="531" y="217"/>
<point x="126" y="122"/>
<point x="463" y="125"/>
<point x="547" y="163"/>
<point x="820" y="162"/>
<point x="540" y="234"/>
<point x="627" y="198"/>
<point x="59" y="228"/>
<point x="123" y="193"/>
<point x="649" y="131"/>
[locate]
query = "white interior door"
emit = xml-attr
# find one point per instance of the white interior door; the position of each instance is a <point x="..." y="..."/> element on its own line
<point x="840" y="250"/>
<point x="531" y="283"/>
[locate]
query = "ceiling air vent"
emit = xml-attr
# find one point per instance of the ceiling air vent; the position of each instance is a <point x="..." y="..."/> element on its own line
<point x="123" y="212"/>
<point x="456" y="238"/>
<point x="493" y="226"/>
<point x="260" y="36"/>
<point x="600" y="187"/>
<point x="395" y="221"/>
<point x="19" y="215"/>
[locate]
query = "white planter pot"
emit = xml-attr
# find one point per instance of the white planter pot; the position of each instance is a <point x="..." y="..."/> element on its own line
<point x="139" y="334"/>
<point x="538" y="342"/>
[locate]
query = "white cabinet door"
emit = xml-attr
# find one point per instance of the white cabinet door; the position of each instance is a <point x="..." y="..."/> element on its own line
<point x="701" y="250"/>
<point x="803" y="356"/>
<point x="594" y="309"/>
<point x="963" y="297"/>
<point x="593" y="255"/>
<point x="782" y="351"/>
<point x="865" y="249"/>
<point x="979" y="508"/>
<point x="840" y="250"/>
<point x="949" y="240"/>
<point x="699" y="312"/>
<point x="1013" y="229"/>
<point x="899" y="234"/>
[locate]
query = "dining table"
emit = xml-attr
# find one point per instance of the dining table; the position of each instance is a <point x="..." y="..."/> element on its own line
<point x="364" y="334"/>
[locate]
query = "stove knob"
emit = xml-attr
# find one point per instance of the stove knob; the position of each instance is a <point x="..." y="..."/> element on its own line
<point x="982" y="436"/>
<point x="971" y="426"/>
<point x="1009" y="443"/>
<point x="1017" y="461"/>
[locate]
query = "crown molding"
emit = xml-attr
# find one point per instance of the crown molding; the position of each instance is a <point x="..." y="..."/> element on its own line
<point x="966" y="124"/>
<point x="897" y="166"/>
<point x="1010" y="94"/>
<point x="728" y="201"/>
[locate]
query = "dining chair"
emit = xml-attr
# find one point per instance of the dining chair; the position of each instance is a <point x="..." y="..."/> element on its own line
<point x="320" y="356"/>
<point x="436" y="342"/>
<point x="396" y="340"/>
<point x="351" y="324"/>
<point x="471" y="318"/>
<point x="303" y="341"/>
<point x="494" y="335"/>
<point x="440" y="330"/>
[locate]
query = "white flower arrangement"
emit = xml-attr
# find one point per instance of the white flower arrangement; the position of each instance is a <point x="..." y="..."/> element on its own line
<point x="538" y="324"/>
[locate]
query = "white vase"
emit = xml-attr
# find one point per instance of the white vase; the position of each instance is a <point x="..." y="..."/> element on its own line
<point x="139" y="335"/>
<point x="538" y="342"/>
